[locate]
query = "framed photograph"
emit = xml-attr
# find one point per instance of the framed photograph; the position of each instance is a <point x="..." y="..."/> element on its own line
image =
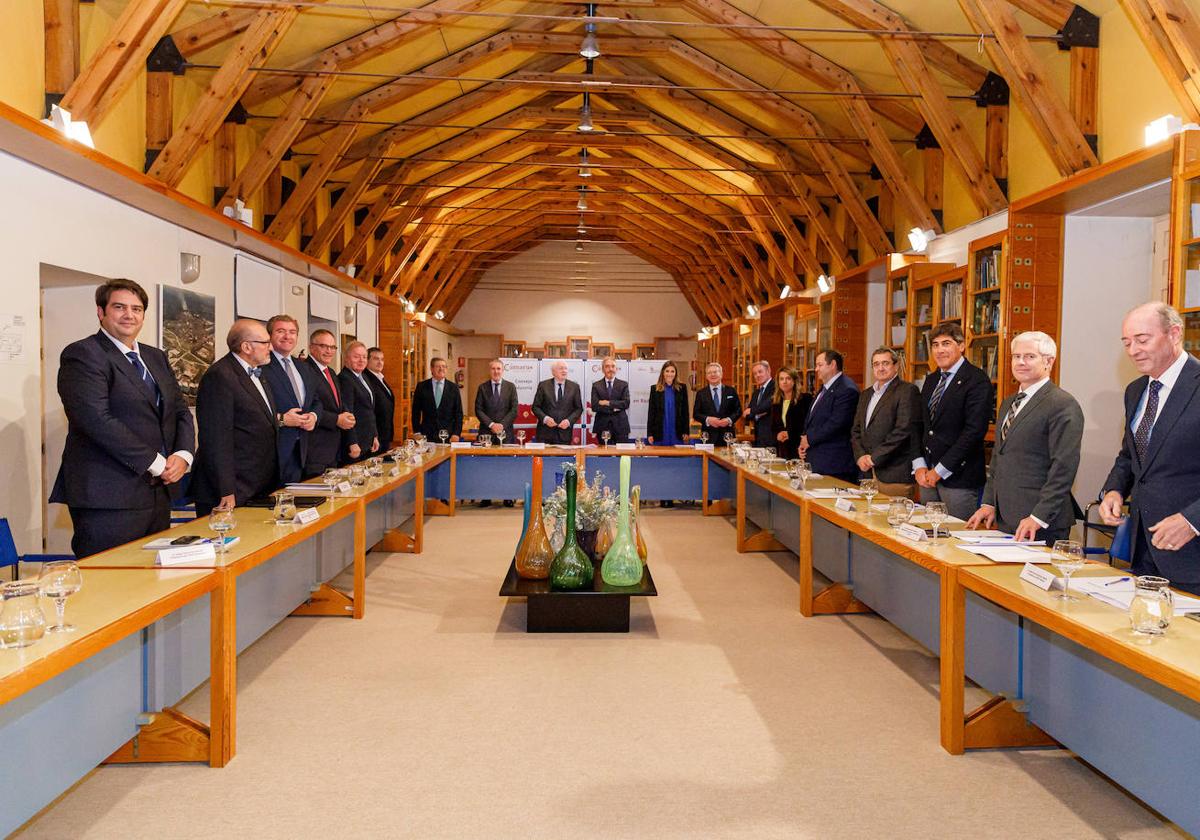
<point x="188" y="327"/>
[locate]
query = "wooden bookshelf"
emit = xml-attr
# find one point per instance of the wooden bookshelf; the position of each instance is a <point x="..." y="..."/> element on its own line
<point x="842" y="317"/>
<point x="983" y="311"/>
<point x="896" y="309"/>
<point x="744" y="357"/>
<point x="800" y="345"/>
<point x="512" y="349"/>
<point x="1185" y="233"/>
<point x="935" y="295"/>
<point x="412" y="370"/>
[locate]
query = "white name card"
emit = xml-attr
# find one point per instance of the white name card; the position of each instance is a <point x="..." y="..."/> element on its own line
<point x="706" y="447"/>
<point x="626" y="446"/>
<point x="844" y="504"/>
<point x="344" y="487"/>
<point x="204" y="554"/>
<point x="1041" y="578"/>
<point x="303" y="517"/>
<point x="461" y="444"/>
<point x="911" y="532"/>
<point x="535" y="444"/>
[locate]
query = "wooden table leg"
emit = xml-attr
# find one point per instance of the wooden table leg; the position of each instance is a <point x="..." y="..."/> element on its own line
<point x="953" y="652"/>
<point x="360" y="560"/>
<point x="741" y="512"/>
<point x="419" y="514"/>
<point x="806" y="561"/>
<point x="223" y="671"/>
<point x="453" y="482"/>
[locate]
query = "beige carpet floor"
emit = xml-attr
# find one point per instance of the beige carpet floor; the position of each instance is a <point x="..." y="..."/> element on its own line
<point x="723" y="714"/>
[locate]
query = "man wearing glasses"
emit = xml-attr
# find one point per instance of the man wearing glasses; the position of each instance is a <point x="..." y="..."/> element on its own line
<point x="326" y="440"/>
<point x="237" y="459"/>
<point x="1028" y="490"/>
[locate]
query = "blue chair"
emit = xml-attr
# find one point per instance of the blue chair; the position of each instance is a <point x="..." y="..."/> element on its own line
<point x="9" y="556"/>
<point x="1120" y="547"/>
<point x="183" y="509"/>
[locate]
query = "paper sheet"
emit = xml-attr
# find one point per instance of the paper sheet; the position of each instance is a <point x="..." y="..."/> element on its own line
<point x="1008" y="553"/>
<point x="1118" y="592"/>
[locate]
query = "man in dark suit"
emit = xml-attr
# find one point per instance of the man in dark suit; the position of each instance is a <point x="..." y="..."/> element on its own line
<point x="1158" y="466"/>
<point x="758" y="410"/>
<point x="956" y="407"/>
<point x="496" y="403"/>
<point x="328" y="439"/>
<point x="826" y="441"/>
<point x="129" y="432"/>
<point x="717" y="406"/>
<point x="292" y="387"/>
<point x="887" y="426"/>
<point x="238" y="458"/>
<point x="557" y="406"/>
<point x="385" y="400"/>
<point x="363" y="440"/>
<point x="610" y="404"/>
<point x="437" y="404"/>
<point x="1028" y="490"/>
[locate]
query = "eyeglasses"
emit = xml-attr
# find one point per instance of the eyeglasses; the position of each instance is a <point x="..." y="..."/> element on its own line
<point x="259" y="340"/>
<point x="326" y="346"/>
<point x="1027" y="358"/>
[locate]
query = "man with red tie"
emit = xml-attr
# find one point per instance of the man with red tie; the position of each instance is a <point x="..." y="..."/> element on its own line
<point x="333" y="420"/>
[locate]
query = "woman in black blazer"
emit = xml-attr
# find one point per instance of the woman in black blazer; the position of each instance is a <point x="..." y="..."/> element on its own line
<point x="676" y="431"/>
<point x="790" y="427"/>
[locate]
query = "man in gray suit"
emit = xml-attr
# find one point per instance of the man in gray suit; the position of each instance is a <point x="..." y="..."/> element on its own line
<point x="1028" y="491"/>
<point x="496" y="403"/>
<point x="557" y="406"/>
<point x="886" y="426"/>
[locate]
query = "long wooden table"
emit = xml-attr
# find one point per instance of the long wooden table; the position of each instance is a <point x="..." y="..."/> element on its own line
<point x="1072" y="675"/>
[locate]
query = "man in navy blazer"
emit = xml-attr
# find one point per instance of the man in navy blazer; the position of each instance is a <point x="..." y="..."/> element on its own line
<point x="363" y="440"/>
<point x="237" y="459"/>
<point x="610" y="404"/>
<point x="717" y="406"/>
<point x="330" y="436"/>
<point x="294" y="389"/>
<point x="826" y="440"/>
<point x="956" y="407"/>
<point x="130" y="434"/>
<point x="1158" y="466"/>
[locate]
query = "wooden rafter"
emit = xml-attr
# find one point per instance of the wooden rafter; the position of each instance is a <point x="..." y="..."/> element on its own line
<point x="1150" y="27"/>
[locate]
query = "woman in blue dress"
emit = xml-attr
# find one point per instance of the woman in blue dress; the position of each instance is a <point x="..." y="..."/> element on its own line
<point x="667" y="417"/>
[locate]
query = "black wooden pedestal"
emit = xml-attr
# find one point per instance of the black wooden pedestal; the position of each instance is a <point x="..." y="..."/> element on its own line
<point x="598" y="609"/>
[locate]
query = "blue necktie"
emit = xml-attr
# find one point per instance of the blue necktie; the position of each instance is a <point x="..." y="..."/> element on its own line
<point x="938" y="392"/>
<point x="147" y="380"/>
<point x="255" y="372"/>
<point x="1141" y="436"/>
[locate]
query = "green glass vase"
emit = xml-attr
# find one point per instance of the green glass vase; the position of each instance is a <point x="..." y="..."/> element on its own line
<point x="571" y="569"/>
<point x="622" y="565"/>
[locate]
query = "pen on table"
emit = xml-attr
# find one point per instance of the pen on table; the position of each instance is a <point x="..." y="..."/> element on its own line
<point x="1118" y="580"/>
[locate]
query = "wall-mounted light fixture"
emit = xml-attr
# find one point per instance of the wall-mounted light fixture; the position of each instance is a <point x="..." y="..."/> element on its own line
<point x="189" y="267"/>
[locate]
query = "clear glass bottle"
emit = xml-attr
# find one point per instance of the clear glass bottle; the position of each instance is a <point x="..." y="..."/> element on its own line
<point x="622" y="564"/>
<point x="572" y="568"/>
<point x="22" y="621"/>
<point x="534" y="554"/>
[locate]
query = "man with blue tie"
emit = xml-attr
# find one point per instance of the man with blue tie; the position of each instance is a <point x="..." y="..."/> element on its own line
<point x="1158" y="466"/>
<point x="130" y="435"/>
<point x="758" y="411"/>
<point x="295" y="396"/>
<point x="717" y="406"/>
<point x="826" y="440"/>
<point x="437" y="405"/>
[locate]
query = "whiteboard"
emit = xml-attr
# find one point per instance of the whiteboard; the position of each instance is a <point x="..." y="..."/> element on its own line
<point x="368" y="323"/>
<point x="322" y="302"/>
<point x="258" y="288"/>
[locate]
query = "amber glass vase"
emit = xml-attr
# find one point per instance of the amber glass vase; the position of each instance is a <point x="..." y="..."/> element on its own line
<point x="572" y="568"/>
<point x="635" y="503"/>
<point x="622" y="565"/>
<point x="534" y="554"/>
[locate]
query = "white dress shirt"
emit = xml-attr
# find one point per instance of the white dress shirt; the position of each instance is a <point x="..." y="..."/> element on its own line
<point x="1168" y="379"/>
<point x="919" y="463"/>
<point x="879" y="388"/>
<point x="257" y="382"/>
<point x="159" y="463"/>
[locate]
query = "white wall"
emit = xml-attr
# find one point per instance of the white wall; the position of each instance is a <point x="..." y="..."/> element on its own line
<point x="60" y="224"/>
<point x="1107" y="270"/>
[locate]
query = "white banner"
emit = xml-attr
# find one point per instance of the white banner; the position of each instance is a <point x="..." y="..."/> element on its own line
<point x="524" y="373"/>
<point x="643" y="375"/>
<point x="594" y="372"/>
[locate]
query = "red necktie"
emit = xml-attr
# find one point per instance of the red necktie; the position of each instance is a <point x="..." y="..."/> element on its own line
<point x="329" y="379"/>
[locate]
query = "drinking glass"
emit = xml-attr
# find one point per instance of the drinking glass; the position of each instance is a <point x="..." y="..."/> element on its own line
<point x="285" y="506"/>
<point x="936" y="513"/>
<point x="641" y="443"/>
<point x="730" y="437"/>
<point x="1067" y="557"/>
<point x="606" y="436"/>
<point x="869" y="487"/>
<point x="500" y="435"/>
<point x="704" y="436"/>
<point x="1152" y="607"/>
<point x="221" y="521"/>
<point x="358" y="475"/>
<point x="804" y="472"/>
<point x="22" y="621"/>
<point x="375" y="468"/>
<point x="444" y="435"/>
<point x="900" y="510"/>
<point x="60" y="580"/>
<point x="521" y="437"/>
<point x="485" y="440"/>
<point x="330" y="477"/>
<point x="772" y="452"/>
<point x="395" y="455"/>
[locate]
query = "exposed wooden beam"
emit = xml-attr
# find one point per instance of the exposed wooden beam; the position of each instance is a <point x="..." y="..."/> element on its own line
<point x="336" y="143"/>
<point x="1053" y="13"/>
<point x="224" y="158"/>
<point x="342" y="209"/>
<point x="226" y="85"/>
<point x="996" y="143"/>
<point x="61" y="19"/>
<point x="160" y="113"/>
<point x="1179" y="23"/>
<point x="1150" y="28"/>
<point x="117" y="63"/>
<point x="1012" y="54"/>
<point x="212" y="30"/>
<point x="1085" y="92"/>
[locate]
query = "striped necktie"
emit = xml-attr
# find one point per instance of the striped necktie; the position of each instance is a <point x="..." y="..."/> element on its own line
<point x="1018" y="398"/>
<point x="939" y="391"/>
